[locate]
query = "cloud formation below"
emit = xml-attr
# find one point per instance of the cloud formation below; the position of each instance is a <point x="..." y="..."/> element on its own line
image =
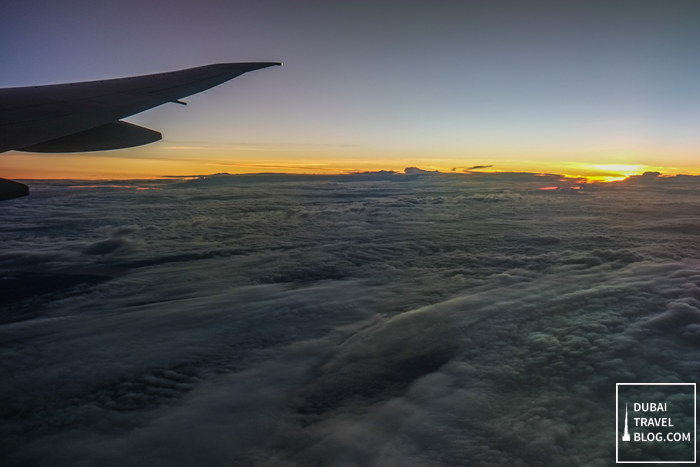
<point x="447" y="320"/>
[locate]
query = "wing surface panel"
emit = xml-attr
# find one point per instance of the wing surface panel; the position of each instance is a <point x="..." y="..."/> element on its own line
<point x="35" y="114"/>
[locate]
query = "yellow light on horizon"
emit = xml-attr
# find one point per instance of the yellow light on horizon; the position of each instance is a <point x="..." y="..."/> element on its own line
<point x="157" y="162"/>
<point x="627" y="170"/>
<point x="605" y="179"/>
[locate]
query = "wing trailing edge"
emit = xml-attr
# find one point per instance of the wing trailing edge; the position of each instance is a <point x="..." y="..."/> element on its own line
<point x="116" y="135"/>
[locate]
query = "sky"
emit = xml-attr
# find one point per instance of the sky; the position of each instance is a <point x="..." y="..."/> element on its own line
<point x="411" y="320"/>
<point x="391" y="318"/>
<point x="596" y="88"/>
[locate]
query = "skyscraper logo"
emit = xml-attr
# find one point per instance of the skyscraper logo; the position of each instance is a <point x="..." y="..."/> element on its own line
<point x="626" y="435"/>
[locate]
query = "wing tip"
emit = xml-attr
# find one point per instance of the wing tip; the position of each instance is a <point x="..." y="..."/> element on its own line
<point x="250" y="66"/>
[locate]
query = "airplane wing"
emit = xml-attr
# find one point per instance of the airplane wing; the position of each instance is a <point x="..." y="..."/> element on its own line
<point x="79" y="117"/>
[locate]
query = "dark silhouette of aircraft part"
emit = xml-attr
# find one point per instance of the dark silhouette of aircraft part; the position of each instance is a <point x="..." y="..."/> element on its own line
<point x="81" y="117"/>
<point x="10" y="189"/>
<point x="117" y="135"/>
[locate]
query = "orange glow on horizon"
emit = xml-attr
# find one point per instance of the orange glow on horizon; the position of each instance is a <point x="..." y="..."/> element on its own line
<point x="155" y="163"/>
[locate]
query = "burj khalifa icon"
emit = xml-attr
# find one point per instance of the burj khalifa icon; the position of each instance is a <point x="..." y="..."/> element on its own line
<point x="626" y="436"/>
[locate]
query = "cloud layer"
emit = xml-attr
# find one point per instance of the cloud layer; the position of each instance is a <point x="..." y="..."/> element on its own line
<point x="447" y="320"/>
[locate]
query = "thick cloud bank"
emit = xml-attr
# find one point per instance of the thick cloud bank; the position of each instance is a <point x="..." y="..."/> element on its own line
<point x="445" y="320"/>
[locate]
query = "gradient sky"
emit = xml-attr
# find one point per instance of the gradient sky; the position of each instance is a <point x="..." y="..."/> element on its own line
<point x="577" y="87"/>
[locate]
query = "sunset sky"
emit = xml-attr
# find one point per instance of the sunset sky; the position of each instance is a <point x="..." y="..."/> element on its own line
<point x="153" y="314"/>
<point x="597" y="88"/>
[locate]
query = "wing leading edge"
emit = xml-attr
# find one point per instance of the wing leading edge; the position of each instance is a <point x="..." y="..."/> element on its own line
<point x="78" y="117"/>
